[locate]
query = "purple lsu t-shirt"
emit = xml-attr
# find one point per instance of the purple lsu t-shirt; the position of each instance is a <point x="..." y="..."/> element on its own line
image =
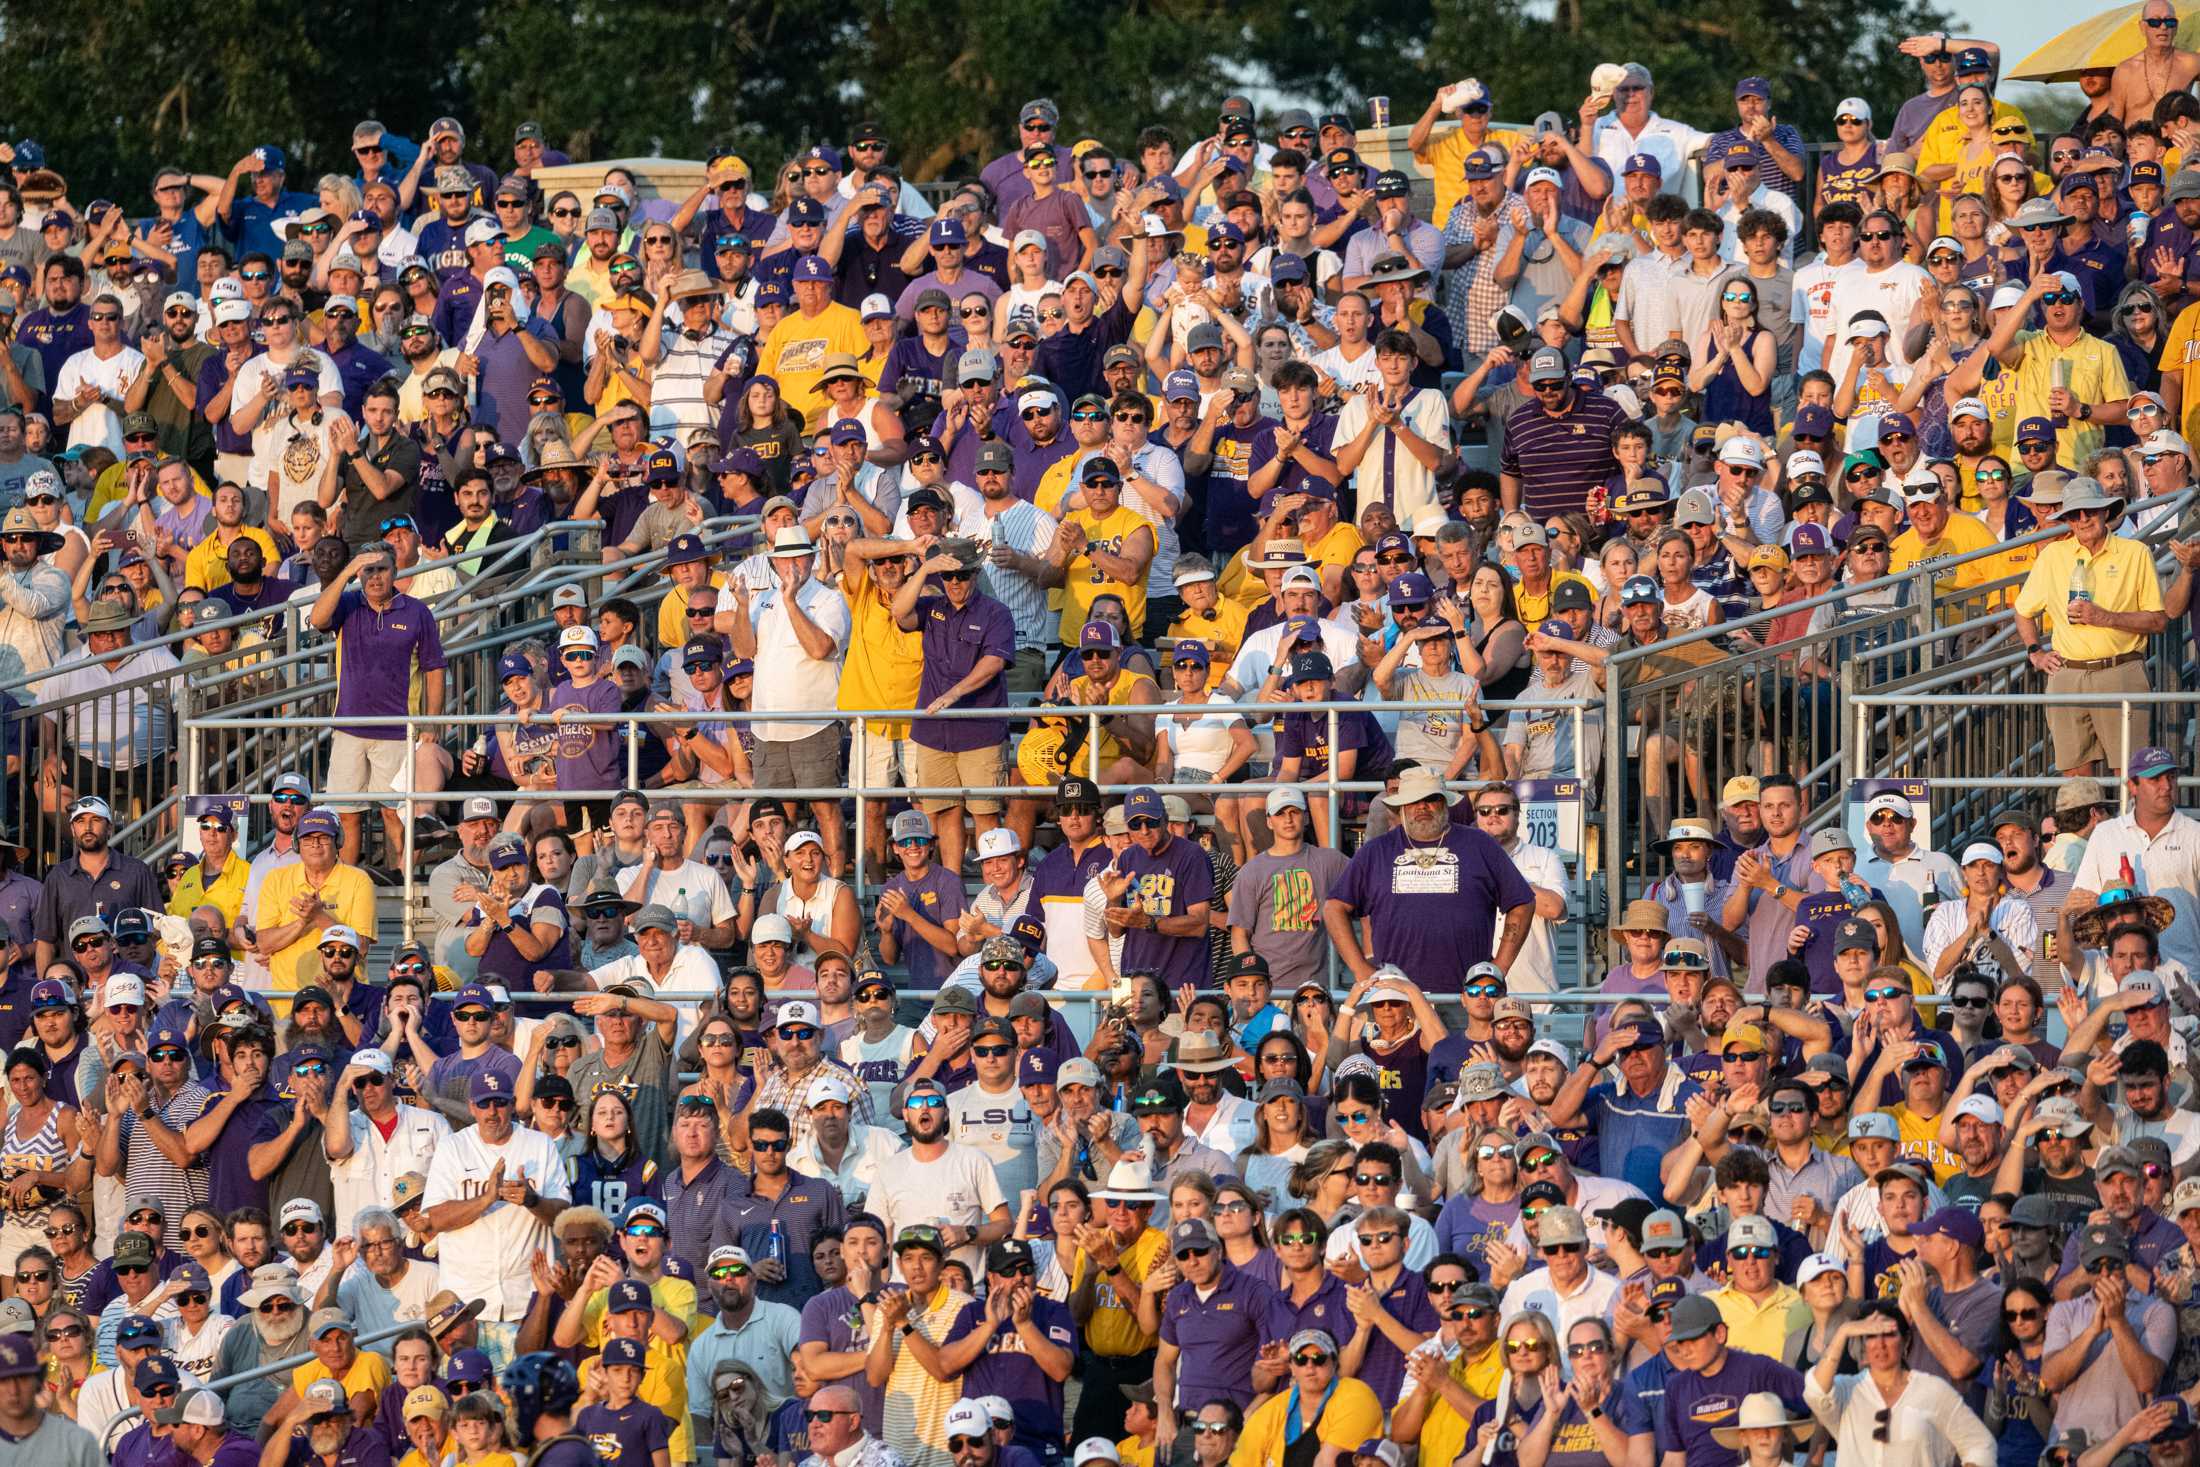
<point x="938" y="898"/>
<point x="1696" y="1404"/>
<point x="587" y="753"/>
<point x="1168" y="884"/>
<point x="835" y="1320"/>
<point x="1434" y="908"/>
<point x="375" y="655"/>
<point x="1007" y="1370"/>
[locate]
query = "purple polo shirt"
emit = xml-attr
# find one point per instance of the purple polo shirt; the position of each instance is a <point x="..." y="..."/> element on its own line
<point x="1167" y="884"/>
<point x="363" y="1448"/>
<point x="953" y="641"/>
<point x="1218" y="1338"/>
<point x="506" y="376"/>
<point x="1434" y="908"/>
<point x="376" y="652"/>
<point x="835" y="1320"/>
<point x="1696" y="1404"/>
<point x="229" y="1183"/>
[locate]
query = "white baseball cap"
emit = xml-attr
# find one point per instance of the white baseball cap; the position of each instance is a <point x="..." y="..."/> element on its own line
<point x="1899" y="804"/>
<point x="828" y="1084"/>
<point x="124" y="988"/>
<point x="577" y="636"/>
<point x="1803" y="461"/>
<point x="1981" y="850"/>
<point x="999" y="841"/>
<point x="966" y="1418"/>
<point x="800" y="1011"/>
<point x="1817" y="1266"/>
<point x="1980" y="1107"/>
<point x="1741" y="450"/>
<point x="1853" y="107"/>
<point x="771" y="927"/>
<point x="1095" y="1449"/>
<point x="301" y="1209"/>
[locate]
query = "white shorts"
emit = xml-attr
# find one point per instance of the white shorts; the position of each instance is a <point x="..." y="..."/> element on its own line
<point x="886" y="761"/>
<point x="366" y="765"/>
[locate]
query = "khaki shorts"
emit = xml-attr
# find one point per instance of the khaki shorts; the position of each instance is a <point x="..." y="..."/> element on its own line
<point x="365" y="766"/>
<point x="2083" y="734"/>
<point x="885" y="762"/>
<point x="972" y="768"/>
<point x="810" y="763"/>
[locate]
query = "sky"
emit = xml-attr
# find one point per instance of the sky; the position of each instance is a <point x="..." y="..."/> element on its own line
<point x="2017" y="26"/>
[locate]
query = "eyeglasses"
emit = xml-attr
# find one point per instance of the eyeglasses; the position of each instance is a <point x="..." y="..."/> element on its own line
<point x="200" y="1231"/>
<point x="41" y="1276"/>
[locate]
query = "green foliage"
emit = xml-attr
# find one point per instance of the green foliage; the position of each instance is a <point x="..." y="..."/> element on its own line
<point x="114" y="89"/>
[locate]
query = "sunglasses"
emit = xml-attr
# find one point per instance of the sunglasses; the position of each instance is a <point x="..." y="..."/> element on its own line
<point x="1879" y="995"/>
<point x="650" y="1229"/>
<point x="1786" y="1107"/>
<point x="1754" y="1254"/>
<point x="201" y="1231"/>
<point x="1587" y="1347"/>
<point x="925" y="1102"/>
<point x="1876" y="234"/>
<point x="1192" y="1252"/>
<point x="293" y="1229"/>
<point x="1311" y="1357"/>
<point x="1522" y="1347"/>
<point x="1485" y="990"/>
<point x="277" y="1306"/>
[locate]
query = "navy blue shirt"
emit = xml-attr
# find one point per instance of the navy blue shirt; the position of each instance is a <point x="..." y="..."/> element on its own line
<point x="1634" y="1132"/>
<point x="362" y="1448"/>
<point x="359" y="368"/>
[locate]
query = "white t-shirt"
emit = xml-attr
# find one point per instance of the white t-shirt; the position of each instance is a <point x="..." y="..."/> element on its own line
<point x="251" y="377"/>
<point x="288" y="456"/>
<point x="958" y="1187"/>
<point x="1204" y="743"/>
<point x="197" y="1350"/>
<point x="690" y="889"/>
<point x="1536" y="968"/>
<point x="98" y="426"/>
<point x="490" y="1258"/>
<point x="1894" y="293"/>
<point x="787" y="677"/>
<point x="1810" y="306"/>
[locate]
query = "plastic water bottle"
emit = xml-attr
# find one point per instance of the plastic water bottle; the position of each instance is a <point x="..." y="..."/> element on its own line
<point x="2081" y="582"/>
<point x="776" y="1245"/>
<point x="1855" y="891"/>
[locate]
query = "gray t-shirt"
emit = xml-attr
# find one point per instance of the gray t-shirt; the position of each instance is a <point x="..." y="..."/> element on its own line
<point x="1278" y="901"/>
<point x="646" y="1082"/>
<point x="13" y="475"/>
<point x="1775" y="304"/>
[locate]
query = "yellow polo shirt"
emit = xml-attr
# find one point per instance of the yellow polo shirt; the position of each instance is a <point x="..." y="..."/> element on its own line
<point x="675" y="1297"/>
<point x="348" y="894"/>
<point x="1222" y="629"/>
<point x="227" y="892"/>
<point x="368" y="1374"/>
<point x="1760" y="1328"/>
<point x="2120" y="578"/>
<point x="207" y="565"/>
<point x="1443" y="1429"/>
<point x="2096" y="375"/>
<point x="1443" y="158"/>
<point x="1536" y="608"/>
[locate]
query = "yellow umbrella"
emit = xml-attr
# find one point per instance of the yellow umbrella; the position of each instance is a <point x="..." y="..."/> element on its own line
<point x="2110" y="37"/>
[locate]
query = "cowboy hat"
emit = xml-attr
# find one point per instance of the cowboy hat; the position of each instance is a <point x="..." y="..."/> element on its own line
<point x="1128" y="1181"/>
<point x="1760" y="1410"/>
<point x="1278" y="554"/>
<point x="554" y="457"/>
<point x="689" y="284"/>
<point x="2118" y="905"/>
<point x="791" y="541"/>
<point x="1200" y="1053"/>
<point x="20" y="521"/>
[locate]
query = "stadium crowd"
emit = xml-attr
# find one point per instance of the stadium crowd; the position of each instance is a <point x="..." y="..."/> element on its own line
<point x="1152" y="1103"/>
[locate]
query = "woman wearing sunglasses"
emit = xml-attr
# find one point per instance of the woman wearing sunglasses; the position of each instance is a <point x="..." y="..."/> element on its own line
<point x="1532" y="1374"/>
<point x="2019" y="1411"/>
<point x="1341" y="1413"/>
<point x="41" y="1160"/>
<point x="1888" y="1413"/>
<point x="69" y="1360"/>
<point x="1483" y="1212"/>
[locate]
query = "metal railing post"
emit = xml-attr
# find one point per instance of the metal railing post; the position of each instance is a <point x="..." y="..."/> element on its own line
<point x="405" y="919"/>
<point x="1335" y="833"/>
<point x="1615" y="781"/>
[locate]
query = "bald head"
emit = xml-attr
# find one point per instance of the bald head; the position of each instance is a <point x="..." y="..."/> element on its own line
<point x="835" y="1398"/>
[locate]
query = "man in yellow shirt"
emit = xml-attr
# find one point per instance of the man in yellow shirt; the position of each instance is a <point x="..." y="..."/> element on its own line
<point x="1207" y="617"/>
<point x="2063" y="372"/>
<point x="2100" y="599"/>
<point x="1758" y="1309"/>
<point x="206" y="567"/>
<point x="1107" y="1284"/>
<point x="882" y="669"/>
<point x="1470" y="102"/>
<point x="1532" y="591"/>
<point x="795" y="353"/>
<point x="300" y="902"/>
<point x="217" y="877"/>
<point x="1102" y="549"/>
<point x="692" y="565"/>
<point x="1937" y="534"/>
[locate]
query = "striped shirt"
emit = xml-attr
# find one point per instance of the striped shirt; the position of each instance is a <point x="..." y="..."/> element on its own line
<point x="676" y="390"/>
<point x="1027" y="528"/>
<point x="1559" y="457"/>
<point x="152" y="1174"/>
